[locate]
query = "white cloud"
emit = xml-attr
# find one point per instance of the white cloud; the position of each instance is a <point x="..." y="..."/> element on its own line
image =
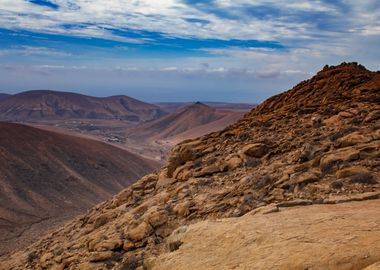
<point x="167" y="16"/>
<point x="32" y="51"/>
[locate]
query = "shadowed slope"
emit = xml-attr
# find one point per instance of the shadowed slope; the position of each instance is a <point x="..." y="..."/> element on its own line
<point x="197" y="115"/>
<point x="3" y="95"/>
<point x="45" y="174"/>
<point x="290" y="151"/>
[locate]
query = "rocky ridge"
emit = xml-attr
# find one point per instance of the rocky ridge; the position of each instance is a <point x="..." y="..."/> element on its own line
<point x="318" y="143"/>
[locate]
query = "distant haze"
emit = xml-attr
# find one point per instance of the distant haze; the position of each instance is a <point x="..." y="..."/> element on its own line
<point x="181" y="50"/>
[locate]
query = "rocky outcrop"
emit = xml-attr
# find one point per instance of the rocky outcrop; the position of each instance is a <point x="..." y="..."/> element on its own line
<point x="318" y="143"/>
<point x="311" y="237"/>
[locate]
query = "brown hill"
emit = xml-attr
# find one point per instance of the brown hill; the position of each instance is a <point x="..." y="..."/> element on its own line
<point x="289" y="152"/>
<point x="235" y="107"/>
<point x="47" y="176"/>
<point x="53" y="105"/>
<point x="197" y="115"/>
<point x="3" y="95"/>
<point x="198" y="131"/>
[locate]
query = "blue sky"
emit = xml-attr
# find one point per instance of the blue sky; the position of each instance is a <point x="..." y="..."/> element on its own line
<point x="181" y="50"/>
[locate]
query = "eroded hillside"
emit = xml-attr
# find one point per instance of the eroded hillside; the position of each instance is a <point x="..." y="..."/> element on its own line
<point x="318" y="143"/>
<point x="48" y="177"/>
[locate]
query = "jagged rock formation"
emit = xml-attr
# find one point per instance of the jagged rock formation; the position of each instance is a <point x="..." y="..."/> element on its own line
<point x="52" y="105"/>
<point x="318" y="143"/>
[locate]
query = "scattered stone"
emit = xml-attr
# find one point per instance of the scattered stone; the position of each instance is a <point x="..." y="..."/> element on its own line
<point x="256" y="150"/>
<point x="372" y="116"/>
<point x="349" y="198"/>
<point x="352" y="139"/>
<point x="284" y="158"/>
<point x="297" y="202"/>
<point x="351" y="171"/>
<point x="306" y="153"/>
<point x="271" y="208"/>
<point x="100" y="256"/>
<point x="208" y="170"/>
<point x="331" y="159"/>
<point x="335" y="120"/>
<point x="174" y="241"/>
<point x="182" y="209"/>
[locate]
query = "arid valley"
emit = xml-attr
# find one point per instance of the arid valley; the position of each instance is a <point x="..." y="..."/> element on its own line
<point x="183" y="135"/>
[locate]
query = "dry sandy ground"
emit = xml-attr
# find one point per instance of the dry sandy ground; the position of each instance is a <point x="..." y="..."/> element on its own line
<point x="344" y="236"/>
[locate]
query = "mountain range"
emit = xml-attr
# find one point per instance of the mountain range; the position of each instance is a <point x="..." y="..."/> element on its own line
<point x="186" y="122"/>
<point x="53" y="105"/>
<point x="294" y="184"/>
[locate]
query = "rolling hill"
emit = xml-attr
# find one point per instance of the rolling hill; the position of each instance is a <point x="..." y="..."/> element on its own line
<point x="293" y="185"/>
<point x="52" y="105"/>
<point x="2" y="95"/>
<point x="47" y="177"/>
<point x="187" y="122"/>
<point x="235" y="107"/>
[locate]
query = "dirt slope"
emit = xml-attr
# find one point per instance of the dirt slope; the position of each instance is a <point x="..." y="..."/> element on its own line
<point x="185" y="119"/>
<point x="320" y="150"/>
<point x="201" y="130"/>
<point x="3" y="95"/>
<point x="234" y="107"/>
<point x="46" y="175"/>
<point x="53" y="105"/>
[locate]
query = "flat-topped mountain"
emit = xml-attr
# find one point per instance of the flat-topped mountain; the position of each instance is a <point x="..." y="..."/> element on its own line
<point x="54" y="105"/>
<point x="310" y="148"/>
<point x="195" y="119"/>
<point x="47" y="176"/>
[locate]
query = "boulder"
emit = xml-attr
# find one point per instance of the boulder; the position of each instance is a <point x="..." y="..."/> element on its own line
<point x="306" y="153"/>
<point x="352" y="139"/>
<point x="332" y="158"/>
<point x="181" y="154"/>
<point x="208" y="170"/>
<point x="256" y="150"/>
<point x="184" y="172"/>
<point x="182" y="209"/>
<point x="233" y="163"/>
<point x="140" y="232"/>
<point x="351" y="171"/>
<point x="302" y="179"/>
<point x="335" y="120"/>
<point x="156" y="217"/>
<point x="100" y="256"/>
<point x="163" y="183"/>
<point x="109" y="244"/>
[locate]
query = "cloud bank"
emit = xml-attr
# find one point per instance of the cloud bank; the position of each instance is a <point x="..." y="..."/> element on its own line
<point x="168" y="44"/>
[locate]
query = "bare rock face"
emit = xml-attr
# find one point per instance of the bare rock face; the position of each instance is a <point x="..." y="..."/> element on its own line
<point x="279" y="240"/>
<point x="318" y="143"/>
